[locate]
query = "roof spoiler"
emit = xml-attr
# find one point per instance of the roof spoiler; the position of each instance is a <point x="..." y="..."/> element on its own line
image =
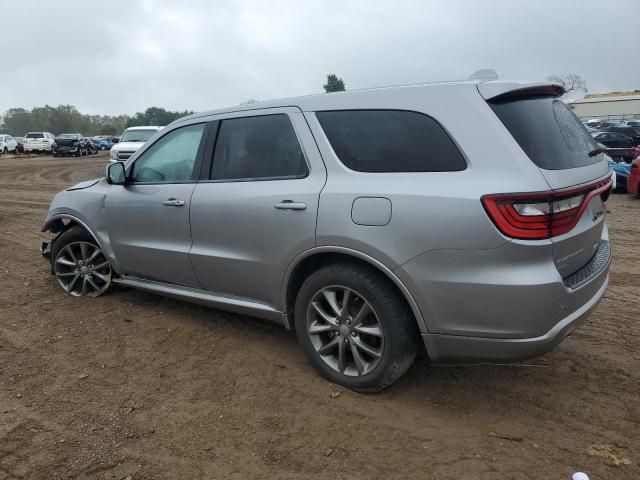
<point x="496" y="91"/>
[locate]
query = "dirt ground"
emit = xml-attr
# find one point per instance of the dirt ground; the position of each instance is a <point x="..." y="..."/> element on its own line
<point x="131" y="385"/>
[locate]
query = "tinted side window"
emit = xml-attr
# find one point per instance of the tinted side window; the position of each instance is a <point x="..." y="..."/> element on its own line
<point x="257" y="147"/>
<point x="171" y="158"/>
<point x="390" y="141"/>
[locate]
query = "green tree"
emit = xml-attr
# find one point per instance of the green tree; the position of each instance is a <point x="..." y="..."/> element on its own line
<point x="155" y="116"/>
<point x="17" y="121"/>
<point x="67" y="119"/>
<point x="334" y="84"/>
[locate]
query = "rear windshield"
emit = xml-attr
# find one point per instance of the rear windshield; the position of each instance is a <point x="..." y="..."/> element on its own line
<point x="35" y="135"/>
<point x="548" y="131"/>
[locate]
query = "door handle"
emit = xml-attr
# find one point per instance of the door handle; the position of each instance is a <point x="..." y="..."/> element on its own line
<point x="173" y="202"/>
<point x="290" y="205"/>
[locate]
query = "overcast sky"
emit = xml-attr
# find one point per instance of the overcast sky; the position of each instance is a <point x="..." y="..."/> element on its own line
<point x="123" y="56"/>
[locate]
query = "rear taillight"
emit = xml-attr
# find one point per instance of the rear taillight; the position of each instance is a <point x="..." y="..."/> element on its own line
<point x="537" y="216"/>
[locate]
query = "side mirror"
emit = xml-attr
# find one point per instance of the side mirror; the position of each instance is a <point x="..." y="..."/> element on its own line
<point x="116" y="174"/>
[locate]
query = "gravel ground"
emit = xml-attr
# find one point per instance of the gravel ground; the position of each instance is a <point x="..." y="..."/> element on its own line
<point x="135" y="385"/>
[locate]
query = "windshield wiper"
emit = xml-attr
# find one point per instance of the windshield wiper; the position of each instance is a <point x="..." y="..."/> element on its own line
<point x="596" y="151"/>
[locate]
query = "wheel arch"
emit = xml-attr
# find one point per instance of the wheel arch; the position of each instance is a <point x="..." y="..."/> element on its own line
<point x="63" y="222"/>
<point x="315" y="258"/>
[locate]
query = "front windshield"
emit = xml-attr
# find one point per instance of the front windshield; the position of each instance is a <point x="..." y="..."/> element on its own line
<point x="137" y="135"/>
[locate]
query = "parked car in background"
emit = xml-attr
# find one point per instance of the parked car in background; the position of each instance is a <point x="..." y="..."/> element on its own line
<point x="466" y="218"/>
<point x="632" y="132"/>
<point x="8" y="144"/>
<point x="633" y="182"/>
<point x="92" y="147"/>
<point x="131" y="141"/>
<point x="613" y="139"/>
<point x="38" y="142"/>
<point x="20" y="144"/>
<point x="633" y="123"/>
<point x="620" y="154"/>
<point x="611" y="123"/>
<point x="593" y="123"/>
<point x="589" y="128"/>
<point x="70" y="144"/>
<point x="105" y="143"/>
<point x="621" y="170"/>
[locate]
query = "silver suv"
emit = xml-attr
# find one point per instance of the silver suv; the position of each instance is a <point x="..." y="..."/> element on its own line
<point x="463" y="219"/>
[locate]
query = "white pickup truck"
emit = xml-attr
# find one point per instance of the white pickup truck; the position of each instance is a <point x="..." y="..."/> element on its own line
<point x="130" y="142"/>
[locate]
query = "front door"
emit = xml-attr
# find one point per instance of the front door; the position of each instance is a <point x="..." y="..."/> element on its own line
<point x="257" y="210"/>
<point x="148" y="217"/>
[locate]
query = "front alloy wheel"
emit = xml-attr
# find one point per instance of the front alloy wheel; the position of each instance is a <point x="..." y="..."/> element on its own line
<point x="82" y="270"/>
<point x="345" y="331"/>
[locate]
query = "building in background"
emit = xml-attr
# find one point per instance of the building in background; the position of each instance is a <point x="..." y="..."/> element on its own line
<point x="608" y="106"/>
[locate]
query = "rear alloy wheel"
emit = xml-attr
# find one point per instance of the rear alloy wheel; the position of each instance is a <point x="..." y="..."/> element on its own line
<point x="355" y="327"/>
<point x="79" y="264"/>
<point x="345" y="331"/>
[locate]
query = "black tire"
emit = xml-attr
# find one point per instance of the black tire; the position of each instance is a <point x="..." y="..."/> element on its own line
<point x="5" y="151"/>
<point x="55" y="154"/>
<point x="72" y="235"/>
<point x="396" y="319"/>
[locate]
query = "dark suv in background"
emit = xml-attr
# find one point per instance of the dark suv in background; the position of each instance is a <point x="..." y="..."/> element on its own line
<point x="631" y="132"/>
<point x="71" y="144"/>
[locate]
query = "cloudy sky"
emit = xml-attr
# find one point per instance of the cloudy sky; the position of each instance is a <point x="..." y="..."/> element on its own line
<point x="123" y="56"/>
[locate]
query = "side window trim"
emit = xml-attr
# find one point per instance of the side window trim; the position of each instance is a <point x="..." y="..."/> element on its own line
<point x="196" y="166"/>
<point x="252" y="114"/>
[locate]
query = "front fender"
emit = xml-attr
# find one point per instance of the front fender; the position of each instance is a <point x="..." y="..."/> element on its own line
<point x="86" y="208"/>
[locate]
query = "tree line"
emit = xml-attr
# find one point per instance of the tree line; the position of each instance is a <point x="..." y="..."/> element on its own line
<point x="67" y="119"/>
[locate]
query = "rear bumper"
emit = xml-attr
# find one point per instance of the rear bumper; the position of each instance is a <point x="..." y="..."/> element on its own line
<point x="37" y="148"/>
<point x="460" y="348"/>
<point x="65" y="150"/>
<point x="503" y="304"/>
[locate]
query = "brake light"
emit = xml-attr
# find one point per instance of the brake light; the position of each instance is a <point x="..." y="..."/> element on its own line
<point x="537" y="216"/>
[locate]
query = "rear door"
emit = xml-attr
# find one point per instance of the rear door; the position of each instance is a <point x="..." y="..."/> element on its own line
<point x="256" y="210"/>
<point x="558" y="143"/>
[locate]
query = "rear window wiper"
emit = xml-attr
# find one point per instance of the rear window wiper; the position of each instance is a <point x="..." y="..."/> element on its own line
<point x="596" y="151"/>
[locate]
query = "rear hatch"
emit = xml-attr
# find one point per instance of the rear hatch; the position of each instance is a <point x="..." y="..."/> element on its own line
<point x="565" y="153"/>
<point x="34" y="137"/>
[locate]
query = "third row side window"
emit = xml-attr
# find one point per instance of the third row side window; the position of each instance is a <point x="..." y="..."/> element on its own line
<point x="390" y="141"/>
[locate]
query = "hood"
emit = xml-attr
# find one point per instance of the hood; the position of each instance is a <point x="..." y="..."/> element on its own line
<point x="127" y="146"/>
<point x="85" y="184"/>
